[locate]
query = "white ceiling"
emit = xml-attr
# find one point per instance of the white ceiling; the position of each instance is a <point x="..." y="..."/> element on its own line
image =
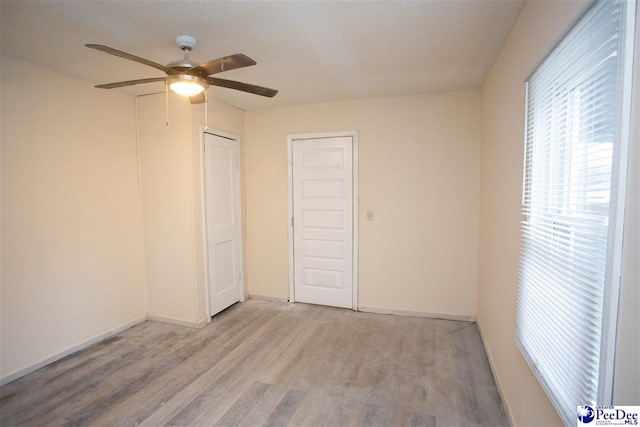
<point x="311" y="51"/>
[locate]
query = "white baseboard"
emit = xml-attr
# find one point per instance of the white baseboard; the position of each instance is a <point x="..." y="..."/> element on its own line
<point x="32" y="368"/>
<point x="444" y="316"/>
<point x="179" y="322"/>
<point x="505" y="403"/>
<point x="265" y="298"/>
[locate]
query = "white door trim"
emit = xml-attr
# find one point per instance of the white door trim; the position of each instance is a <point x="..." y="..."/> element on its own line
<point x="238" y="202"/>
<point x="290" y="140"/>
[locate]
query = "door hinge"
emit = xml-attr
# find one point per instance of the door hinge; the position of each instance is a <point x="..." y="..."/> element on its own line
<point x="292" y="221"/>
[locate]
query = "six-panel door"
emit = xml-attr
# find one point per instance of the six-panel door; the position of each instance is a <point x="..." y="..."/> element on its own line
<point x="323" y="220"/>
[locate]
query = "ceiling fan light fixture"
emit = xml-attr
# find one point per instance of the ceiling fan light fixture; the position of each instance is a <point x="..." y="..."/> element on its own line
<point x="187" y="85"/>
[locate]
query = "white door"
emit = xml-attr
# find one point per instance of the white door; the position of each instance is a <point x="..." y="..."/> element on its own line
<point x="224" y="240"/>
<point x="322" y="187"/>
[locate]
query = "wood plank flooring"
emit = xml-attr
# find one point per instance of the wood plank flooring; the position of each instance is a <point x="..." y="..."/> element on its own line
<point x="268" y="364"/>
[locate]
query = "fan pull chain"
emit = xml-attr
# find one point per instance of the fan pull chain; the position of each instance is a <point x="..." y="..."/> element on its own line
<point x="206" y="111"/>
<point x="166" y="100"/>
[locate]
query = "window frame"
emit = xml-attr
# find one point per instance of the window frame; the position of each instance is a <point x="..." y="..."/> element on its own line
<point x="619" y="170"/>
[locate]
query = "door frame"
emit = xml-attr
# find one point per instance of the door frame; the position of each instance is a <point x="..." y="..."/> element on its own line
<point x="319" y="135"/>
<point x="238" y="202"/>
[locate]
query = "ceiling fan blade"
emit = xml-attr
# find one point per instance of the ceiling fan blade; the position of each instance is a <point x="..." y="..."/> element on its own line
<point x="197" y="99"/>
<point x="245" y="87"/>
<point x="130" y="83"/>
<point x="129" y="56"/>
<point x="219" y="65"/>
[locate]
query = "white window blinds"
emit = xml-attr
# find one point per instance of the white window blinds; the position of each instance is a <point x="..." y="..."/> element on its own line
<point x="573" y="153"/>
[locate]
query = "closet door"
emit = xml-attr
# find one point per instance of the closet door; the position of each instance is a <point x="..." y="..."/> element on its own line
<point x="223" y="219"/>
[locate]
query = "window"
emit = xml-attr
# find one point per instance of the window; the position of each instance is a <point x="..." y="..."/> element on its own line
<point x="573" y="195"/>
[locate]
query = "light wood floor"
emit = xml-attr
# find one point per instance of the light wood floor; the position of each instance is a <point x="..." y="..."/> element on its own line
<point x="271" y="364"/>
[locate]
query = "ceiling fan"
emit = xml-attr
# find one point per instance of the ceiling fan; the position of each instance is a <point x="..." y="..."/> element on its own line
<point x="187" y="77"/>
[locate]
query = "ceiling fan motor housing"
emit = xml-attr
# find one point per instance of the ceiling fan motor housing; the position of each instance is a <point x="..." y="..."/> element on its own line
<point x="186" y="43"/>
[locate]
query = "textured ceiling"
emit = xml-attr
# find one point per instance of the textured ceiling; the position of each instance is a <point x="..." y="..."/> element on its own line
<point x="311" y="51"/>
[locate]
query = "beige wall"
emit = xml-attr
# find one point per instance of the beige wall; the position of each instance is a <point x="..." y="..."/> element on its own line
<point x="72" y="260"/>
<point x="539" y="26"/>
<point x="171" y="182"/>
<point x="73" y="247"/>
<point x="419" y="173"/>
